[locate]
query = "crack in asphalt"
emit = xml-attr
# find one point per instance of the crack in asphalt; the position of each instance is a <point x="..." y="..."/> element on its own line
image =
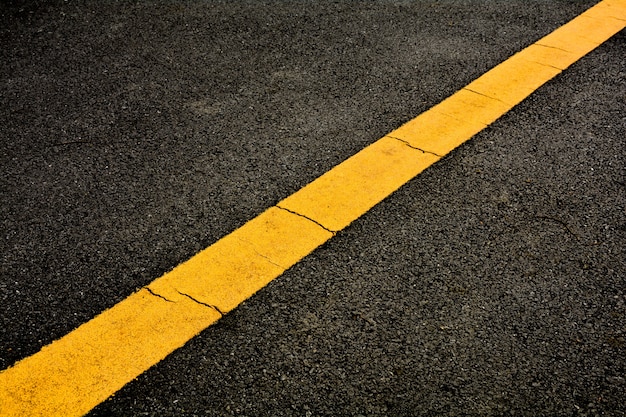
<point x="561" y="222"/>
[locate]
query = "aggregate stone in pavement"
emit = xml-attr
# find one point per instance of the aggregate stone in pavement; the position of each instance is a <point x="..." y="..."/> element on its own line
<point x="492" y="284"/>
<point x="136" y="134"/>
<point x="133" y="136"/>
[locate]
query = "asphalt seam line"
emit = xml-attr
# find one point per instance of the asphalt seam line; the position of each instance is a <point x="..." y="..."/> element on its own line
<point x="75" y="373"/>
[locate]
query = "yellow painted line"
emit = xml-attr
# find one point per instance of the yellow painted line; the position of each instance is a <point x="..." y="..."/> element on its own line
<point x="75" y="373"/>
<point x="238" y="265"/>
<point x="353" y="187"/>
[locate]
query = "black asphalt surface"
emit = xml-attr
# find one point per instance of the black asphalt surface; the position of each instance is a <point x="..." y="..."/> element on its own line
<point x="135" y="134"/>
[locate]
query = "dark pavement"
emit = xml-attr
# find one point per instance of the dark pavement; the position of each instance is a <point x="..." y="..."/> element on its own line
<point x="135" y="134"/>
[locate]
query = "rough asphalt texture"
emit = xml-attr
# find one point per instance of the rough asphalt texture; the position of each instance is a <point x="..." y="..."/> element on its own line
<point x="134" y="135"/>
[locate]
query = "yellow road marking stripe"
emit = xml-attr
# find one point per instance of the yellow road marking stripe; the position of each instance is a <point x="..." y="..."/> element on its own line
<point x="548" y="55"/>
<point x="513" y="80"/>
<point x="353" y="187"/>
<point x="436" y="132"/>
<point x="238" y="265"/>
<point x="75" y="373"/>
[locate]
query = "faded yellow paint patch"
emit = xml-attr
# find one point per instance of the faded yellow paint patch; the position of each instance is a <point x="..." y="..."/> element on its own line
<point x="353" y="187"/>
<point x="238" y="265"/>
<point x="77" y="372"/>
<point x="437" y="132"/>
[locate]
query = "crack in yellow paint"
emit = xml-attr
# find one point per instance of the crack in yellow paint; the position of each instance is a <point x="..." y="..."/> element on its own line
<point x="351" y="188"/>
<point x="72" y="375"/>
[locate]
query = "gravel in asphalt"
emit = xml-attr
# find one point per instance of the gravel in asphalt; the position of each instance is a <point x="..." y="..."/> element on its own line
<point x="134" y="136"/>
